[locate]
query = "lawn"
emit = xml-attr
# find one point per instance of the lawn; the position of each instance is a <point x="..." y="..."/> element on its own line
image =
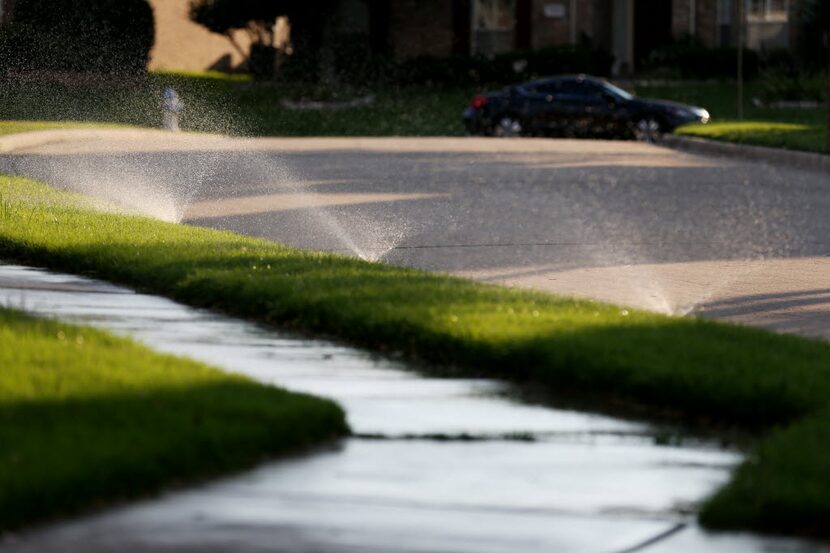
<point x="12" y="127"/>
<point x="792" y="136"/>
<point x="88" y="418"/>
<point x="796" y="129"/>
<point x="233" y="104"/>
<point x="685" y="368"/>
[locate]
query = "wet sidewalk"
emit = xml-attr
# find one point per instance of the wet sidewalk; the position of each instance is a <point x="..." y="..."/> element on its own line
<point x="437" y="465"/>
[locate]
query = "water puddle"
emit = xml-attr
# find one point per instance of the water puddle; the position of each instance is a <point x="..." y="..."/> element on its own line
<point x="437" y="465"/>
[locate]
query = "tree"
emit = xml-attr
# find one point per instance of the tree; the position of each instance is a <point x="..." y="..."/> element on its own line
<point x="85" y="35"/>
<point x="813" y="45"/>
<point x="258" y="17"/>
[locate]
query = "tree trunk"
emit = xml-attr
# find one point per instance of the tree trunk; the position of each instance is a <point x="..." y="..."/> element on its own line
<point x="241" y="51"/>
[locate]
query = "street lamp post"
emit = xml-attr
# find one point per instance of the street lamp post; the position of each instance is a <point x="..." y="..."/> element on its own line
<point x="740" y="41"/>
<point x="827" y="45"/>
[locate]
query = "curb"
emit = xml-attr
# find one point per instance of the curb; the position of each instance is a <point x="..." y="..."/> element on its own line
<point x="776" y="156"/>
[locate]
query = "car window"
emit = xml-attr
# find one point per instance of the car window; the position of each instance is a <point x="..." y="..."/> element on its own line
<point x="581" y="88"/>
<point x="546" y="87"/>
<point x="618" y="92"/>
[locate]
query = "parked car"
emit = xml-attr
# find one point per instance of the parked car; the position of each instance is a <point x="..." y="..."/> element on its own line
<point x="575" y="106"/>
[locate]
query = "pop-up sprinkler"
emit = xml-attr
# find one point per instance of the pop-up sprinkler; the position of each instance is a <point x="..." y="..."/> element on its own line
<point x="171" y="108"/>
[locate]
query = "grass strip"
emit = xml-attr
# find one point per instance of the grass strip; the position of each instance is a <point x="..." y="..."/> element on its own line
<point x="232" y="104"/>
<point x="790" y="136"/>
<point x="87" y="418"/>
<point x="691" y="367"/>
<point x="13" y="127"/>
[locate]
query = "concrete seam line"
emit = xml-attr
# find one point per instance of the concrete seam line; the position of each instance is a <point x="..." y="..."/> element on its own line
<point x="802" y="160"/>
<point x="659" y="537"/>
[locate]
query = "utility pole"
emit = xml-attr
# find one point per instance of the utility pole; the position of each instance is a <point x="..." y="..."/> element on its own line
<point x="740" y="40"/>
<point x="827" y="44"/>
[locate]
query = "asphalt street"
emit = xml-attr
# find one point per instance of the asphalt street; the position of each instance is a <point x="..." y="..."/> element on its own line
<point x="630" y="223"/>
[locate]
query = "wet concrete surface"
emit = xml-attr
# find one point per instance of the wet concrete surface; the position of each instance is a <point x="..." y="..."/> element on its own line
<point x="624" y="222"/>
<point x="536" y="478"/>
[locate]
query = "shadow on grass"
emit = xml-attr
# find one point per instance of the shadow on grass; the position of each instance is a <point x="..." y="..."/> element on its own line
<point x="704" y="369"/>
<point x="784" y="488"/>
<point x="59" y="457"/>
<point x="695" y="368"/>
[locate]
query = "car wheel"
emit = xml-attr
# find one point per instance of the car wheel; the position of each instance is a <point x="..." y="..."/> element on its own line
<point x="647" y="129"/>
<point x="508" y="127"/>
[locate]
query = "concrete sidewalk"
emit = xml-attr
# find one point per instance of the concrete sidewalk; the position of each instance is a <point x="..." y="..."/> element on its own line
<point x="585" y="482"/>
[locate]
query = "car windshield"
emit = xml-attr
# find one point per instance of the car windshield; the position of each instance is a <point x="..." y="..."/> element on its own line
<point x="617" y="91"/>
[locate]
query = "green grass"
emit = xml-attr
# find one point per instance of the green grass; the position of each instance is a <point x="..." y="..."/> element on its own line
<point x="12" y="127"/>
<point x="792" y="136"/>
<point x="230" y="104"/>
<point x="690" y="368"/>
<point x="233" y="104"/>
<point x="87" y="418"/>
<point x="795" y="129"/>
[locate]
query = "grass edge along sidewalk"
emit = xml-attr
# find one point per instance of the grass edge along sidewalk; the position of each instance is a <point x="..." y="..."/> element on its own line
<point x="696" y="368"/>
<point x="772" y="134"/>
<point x="87" y="418"/>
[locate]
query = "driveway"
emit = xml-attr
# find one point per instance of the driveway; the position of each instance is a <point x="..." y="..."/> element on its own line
<point x="625" y="222"/>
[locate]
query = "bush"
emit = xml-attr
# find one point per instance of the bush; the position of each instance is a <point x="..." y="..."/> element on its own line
<point x="789" y="84"/>
<point x="356" y="63"/>
<point x="113" y="36"/>
<point x="689" y="60"/>
<point x="438" y="71"/>
<point x="813" y="22"/>
<point x="262" y="61"/>
<point x="14" y="47"/>
<point x="505" y="68"/>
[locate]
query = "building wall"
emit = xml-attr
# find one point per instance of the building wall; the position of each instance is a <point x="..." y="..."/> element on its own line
<point x="698" y="18"/>
<point x="182" y="44"/>
<point x="6" y="9"/>
<point x="421" y="27"/>
<point x="550" y="31"/>
<point x="707" y="22"/>
<point x="602" y="29"/>
<point x="571" y="25"/>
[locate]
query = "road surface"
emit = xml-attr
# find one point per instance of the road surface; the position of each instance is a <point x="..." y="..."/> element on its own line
<point x="629" y="223"/>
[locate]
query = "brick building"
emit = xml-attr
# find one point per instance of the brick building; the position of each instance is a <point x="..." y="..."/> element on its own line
<point x="6" y="10"/>
<point x="629" y="29"/>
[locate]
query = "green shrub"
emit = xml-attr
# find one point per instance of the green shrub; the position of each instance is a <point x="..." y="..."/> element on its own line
<point x="505" y="68"/>
<point x="262" y="60"/>
<point x="14" y="47"/>
<point x="113" y="36"/>
<point x="687" y="59"/>
<point x="356" y="63"/>
<point x="812" y="23"/>
<point x="789" y="84"/>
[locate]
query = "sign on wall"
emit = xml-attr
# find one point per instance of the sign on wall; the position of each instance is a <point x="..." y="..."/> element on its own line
<point x="554" y="11"/>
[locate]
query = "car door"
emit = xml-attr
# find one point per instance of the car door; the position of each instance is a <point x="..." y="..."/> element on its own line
<point x="567" y="112"/>
<point x="539" y="105"/>
<point x="587" y="106"/>
<point x="597" y="115"/>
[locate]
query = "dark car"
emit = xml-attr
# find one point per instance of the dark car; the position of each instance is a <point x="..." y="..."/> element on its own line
<point x="575" y="106"/>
